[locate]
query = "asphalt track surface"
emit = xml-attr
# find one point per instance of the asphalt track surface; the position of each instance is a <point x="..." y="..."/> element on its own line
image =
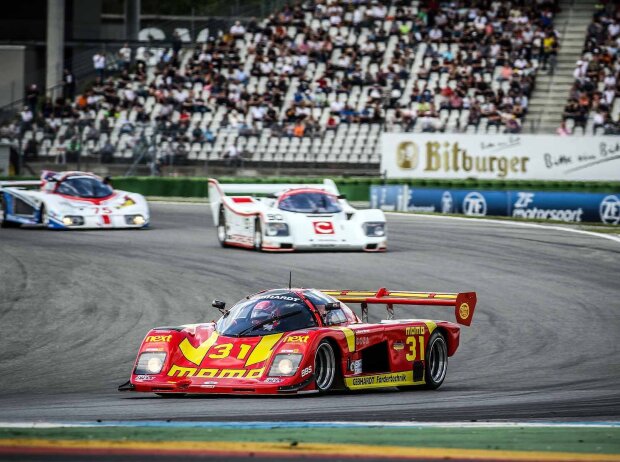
<point x="544" y="344"/>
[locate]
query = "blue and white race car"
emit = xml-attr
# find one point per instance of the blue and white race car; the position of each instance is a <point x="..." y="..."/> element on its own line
<point x="70" y="200"/>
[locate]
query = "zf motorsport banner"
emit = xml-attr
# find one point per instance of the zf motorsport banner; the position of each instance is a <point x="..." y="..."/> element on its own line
<point x="514" y="157"/>
<point x="561" y="206"/>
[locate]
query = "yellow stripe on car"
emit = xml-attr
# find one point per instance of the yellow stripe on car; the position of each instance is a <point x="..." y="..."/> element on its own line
<point x="197" y="354"/>
<point x="350" y="336"/>
<point x="263" y="350"/>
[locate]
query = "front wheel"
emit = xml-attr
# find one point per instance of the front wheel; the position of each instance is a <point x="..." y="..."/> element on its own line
<point x="221" y="228"/>
<point x="258" y="236"/>
<point x="324" y="367"/>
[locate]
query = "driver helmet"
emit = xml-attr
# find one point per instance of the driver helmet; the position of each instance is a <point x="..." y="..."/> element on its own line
<point x="262" y="311"/>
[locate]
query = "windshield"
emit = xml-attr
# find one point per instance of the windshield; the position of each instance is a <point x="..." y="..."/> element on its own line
<point x="84" y="186"/>
<point x="266" y="314"/>
<point x="310" y="202"/>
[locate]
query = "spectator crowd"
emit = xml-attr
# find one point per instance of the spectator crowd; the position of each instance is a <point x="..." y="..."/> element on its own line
<point x="597" y="76"/>
<point x="316" y="66"/>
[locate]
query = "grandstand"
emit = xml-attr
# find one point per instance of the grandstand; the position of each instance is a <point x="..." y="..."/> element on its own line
<point x="316" y="83"/>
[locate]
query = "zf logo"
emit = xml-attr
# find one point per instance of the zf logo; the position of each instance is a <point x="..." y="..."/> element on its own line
<point x="610" y="210"/>
<point x="323" y="227"/>
<point x="523" y="200"/>
<point x="474" y="205"/>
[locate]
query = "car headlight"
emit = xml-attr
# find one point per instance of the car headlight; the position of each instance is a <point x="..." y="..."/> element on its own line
<point x="285" y="365"/>
<point x="276" y="229"/>
<point x="70" y="220"/>
<point x="374" y="228"/>
<point x="150" y="363"/>
<point x="135" y="219"/>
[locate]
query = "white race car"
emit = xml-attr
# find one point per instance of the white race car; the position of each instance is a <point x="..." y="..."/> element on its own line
<point x="71" y="200"/>
<point x="293" y="217"/>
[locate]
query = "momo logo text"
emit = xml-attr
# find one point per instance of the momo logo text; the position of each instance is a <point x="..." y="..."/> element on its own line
<point x="179" y="371"/>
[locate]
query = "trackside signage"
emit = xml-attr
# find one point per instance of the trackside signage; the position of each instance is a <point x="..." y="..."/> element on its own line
<point x="513" y="157"/>
<point x="560" y="206"/>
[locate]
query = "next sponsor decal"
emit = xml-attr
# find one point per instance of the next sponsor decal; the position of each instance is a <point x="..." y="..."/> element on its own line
<point x="158" y="338"/>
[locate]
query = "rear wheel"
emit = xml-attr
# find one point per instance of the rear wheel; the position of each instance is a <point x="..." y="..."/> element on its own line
<point x="324" y="367"/>
<point x="258" y="236"/>
<point x="5" y="223"/>
<point x="221" y="228"/>
<point x="436" y="363"/>
<point x="2" y="211"/>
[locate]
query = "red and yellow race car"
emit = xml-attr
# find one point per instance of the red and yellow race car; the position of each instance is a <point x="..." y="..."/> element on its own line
<point x="285" y="341"/>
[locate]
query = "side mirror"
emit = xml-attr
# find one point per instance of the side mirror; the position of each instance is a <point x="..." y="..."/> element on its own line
<point x="342" y="196"/>
<point x="220" y="305"/>
<point x="332" y="306"/>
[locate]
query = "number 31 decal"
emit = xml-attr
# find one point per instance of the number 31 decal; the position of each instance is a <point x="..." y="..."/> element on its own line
<point x="415" y="345"/>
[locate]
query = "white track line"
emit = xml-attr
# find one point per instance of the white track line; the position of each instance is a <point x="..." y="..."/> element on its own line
<point x="338" y="424"/>
<point x="510" y="223"/>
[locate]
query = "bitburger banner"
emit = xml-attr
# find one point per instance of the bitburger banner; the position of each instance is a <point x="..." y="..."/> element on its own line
<point x="500" y="157"/>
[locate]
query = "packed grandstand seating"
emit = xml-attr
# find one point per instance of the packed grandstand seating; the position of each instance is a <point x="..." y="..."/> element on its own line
<point x="593" y="101"/>
<point x="317" y="81"/>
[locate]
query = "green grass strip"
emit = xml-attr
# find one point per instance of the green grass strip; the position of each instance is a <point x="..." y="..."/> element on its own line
<point x="588" y="440"/>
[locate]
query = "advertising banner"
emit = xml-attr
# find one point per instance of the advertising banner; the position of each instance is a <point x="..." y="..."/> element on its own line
<point x="560" y="206"/>
<point x="493" y="157"/>
<point x="570" y="207"/>
<point x="389" y="198"/>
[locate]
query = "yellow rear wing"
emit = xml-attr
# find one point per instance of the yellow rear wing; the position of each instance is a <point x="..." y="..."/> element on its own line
<point x="464" y="303"/>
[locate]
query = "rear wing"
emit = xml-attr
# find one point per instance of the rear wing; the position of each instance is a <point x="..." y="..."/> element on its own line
<point x="20" y="184"/>
<point x="218" y="191"/>
<point x="268" y="188"/>
<point x="464" y="303"/>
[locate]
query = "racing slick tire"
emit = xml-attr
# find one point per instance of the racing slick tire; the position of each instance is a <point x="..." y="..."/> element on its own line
<point x="45" y="218"/>
<point x="325" y="367"/>
<point x="221" y="228"/>
<point x="436" y="364"/>
<point x="258" y="236"/>
<point x="5" y="223"/>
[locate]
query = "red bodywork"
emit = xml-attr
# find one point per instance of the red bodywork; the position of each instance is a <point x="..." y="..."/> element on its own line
<point x="200" y="360"/>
